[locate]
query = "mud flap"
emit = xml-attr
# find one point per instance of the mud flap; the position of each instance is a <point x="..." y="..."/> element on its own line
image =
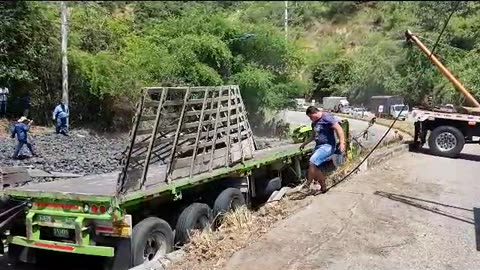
<point x="123" y="256"/>
<point x="476" y="218"/>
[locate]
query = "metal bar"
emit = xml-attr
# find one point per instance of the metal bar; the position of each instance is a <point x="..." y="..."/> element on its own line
<point x="153" y="137"/>
<point x="215" y="129"/>
<point x="227" y="157"/>
<point x="238" y="124"/>
<point x="442" y="68"/>
<point x="177" y="134"/>
<point x="123" y="174"/>
<point x="212" y="102"/>
<point x="199" y="129"/>
<point x="245" y="119"/>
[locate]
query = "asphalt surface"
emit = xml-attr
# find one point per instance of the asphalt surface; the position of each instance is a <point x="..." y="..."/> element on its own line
<point x="411" y="212"/>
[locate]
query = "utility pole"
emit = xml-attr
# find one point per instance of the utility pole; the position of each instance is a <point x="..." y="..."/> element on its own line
<point x="286" y="20"/>
<point x="64" y="15"/>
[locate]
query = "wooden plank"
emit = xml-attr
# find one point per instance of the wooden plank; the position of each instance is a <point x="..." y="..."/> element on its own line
<point x="154" y="104"/>
<point x="142" y="132"/>
<point x="200" y="159"/>
<point x="210" y="143"/>
<point x="185" y="172"/>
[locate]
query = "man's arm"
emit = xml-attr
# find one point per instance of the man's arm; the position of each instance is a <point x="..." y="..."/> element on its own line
<point x="54" y="117"/>
<point x="340" y="134"/>
<point x="13" y="133"/>
<point x="309" y="140"/>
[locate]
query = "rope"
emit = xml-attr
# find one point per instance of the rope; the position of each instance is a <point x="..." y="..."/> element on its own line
<point x="403" y="108"/>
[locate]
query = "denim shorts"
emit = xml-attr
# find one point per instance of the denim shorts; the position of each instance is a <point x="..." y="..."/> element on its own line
<point x="321" y="154"/>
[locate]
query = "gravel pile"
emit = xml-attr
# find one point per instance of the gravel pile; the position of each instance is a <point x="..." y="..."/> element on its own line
<point x="81" y="153"/>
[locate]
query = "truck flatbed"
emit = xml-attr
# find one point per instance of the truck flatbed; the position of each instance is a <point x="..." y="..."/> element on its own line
<point x="102" y="187"/>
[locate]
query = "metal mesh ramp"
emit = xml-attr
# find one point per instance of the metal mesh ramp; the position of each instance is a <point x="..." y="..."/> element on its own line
<point x="188" y="130"/>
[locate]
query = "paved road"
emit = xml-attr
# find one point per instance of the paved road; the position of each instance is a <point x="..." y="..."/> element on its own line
<point x="421" y="219"/>
<point x="356" y="126"/>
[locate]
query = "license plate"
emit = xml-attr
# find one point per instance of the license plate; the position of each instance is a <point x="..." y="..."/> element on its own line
<point x="61" y="232"/>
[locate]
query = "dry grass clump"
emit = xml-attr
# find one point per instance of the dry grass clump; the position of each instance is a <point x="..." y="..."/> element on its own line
<point x="211" y="249"/>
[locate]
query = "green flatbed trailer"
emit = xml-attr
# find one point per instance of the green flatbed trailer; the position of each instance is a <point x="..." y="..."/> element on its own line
<point x="130" y="216"/>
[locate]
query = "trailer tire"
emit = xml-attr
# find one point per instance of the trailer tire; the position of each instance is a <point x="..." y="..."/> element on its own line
<point x="13" y="254"/>
<point x="195" y="216"/>
<point x="229" y="199"/>
<point x="446" y="141"/>
<point x="155" y="230"/>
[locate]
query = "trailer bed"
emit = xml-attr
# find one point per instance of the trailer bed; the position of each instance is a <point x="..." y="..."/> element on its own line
<point x="103" y="186"/>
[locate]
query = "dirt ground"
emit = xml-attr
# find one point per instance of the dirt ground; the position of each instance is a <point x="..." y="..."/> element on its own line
<point x="413" y="212"/>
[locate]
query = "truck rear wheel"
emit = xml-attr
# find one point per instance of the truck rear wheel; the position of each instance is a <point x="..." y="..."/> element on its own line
<point x="229" y="199"/>
<point x="150" y="237"/>
<point x="446" y="141"/>
<point x="196" y="216"/>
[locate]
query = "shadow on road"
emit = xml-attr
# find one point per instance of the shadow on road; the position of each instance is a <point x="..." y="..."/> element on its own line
<point x="463" y="156"/>
<point x="421" y="204"/>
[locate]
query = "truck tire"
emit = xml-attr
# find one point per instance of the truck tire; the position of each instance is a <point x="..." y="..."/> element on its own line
<point x="446" y="141"/>
<point x="150" y="236"/>
<point x="229" y="199"/>
<point x="13" y="254"/>
<point x="196" y="216"/>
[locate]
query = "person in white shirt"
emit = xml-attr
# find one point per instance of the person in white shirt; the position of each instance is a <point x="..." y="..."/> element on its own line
<point x="3" y="102"/>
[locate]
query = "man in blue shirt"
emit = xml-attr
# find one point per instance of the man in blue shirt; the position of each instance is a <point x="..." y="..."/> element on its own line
<point x="324" y="127"/>
<point x="20" y="130"/>
<point x="60" y="115"/>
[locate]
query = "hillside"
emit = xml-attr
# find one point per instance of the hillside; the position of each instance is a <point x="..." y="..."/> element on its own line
<point x="355" y="49"/>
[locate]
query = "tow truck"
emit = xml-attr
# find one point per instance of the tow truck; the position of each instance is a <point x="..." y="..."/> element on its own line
<point x="449" y="128"/>
<point x="191" y="158"/>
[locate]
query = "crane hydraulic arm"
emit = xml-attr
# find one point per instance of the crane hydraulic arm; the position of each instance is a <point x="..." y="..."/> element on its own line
<point x="411" y="37"/>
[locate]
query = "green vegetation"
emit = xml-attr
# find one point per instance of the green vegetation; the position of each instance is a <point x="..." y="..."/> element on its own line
<point x="349" y="48"/>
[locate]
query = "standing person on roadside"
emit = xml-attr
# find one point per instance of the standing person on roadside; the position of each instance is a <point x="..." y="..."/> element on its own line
<point x="21" y="129"/>
<point x="60" y="115"/>
<point x="324" y="127"/>
<point x="3" y="101"/>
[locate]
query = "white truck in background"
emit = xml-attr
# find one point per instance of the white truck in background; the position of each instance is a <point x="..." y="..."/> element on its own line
<point x="388" y="107"/>
<point x="335" y="104"/>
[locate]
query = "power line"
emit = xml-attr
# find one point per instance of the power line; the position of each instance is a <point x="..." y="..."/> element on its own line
<point x="403" y="108"/>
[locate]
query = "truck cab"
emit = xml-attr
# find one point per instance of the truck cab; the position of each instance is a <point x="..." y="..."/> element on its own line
<point x="396" y="111"/>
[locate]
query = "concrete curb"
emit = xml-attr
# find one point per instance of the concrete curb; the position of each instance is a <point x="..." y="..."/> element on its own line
<point x="161" y="262"/>
<point x="383" y="154"/>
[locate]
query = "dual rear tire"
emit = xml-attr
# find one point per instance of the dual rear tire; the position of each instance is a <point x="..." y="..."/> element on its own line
<point x="154" y="237"/>
<point x="446" y="141"/>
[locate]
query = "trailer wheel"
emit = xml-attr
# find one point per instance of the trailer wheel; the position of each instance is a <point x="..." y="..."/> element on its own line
<point x="229" y="199"/>
<point x="196" y="216"/>
<point x="13" y="254"/>
<point x="446" y="141"/>
<point x="150" y="237"/>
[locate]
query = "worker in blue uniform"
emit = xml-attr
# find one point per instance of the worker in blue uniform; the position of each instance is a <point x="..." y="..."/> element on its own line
<point x="60" y="115"/>
<point x="20" y="130"/>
